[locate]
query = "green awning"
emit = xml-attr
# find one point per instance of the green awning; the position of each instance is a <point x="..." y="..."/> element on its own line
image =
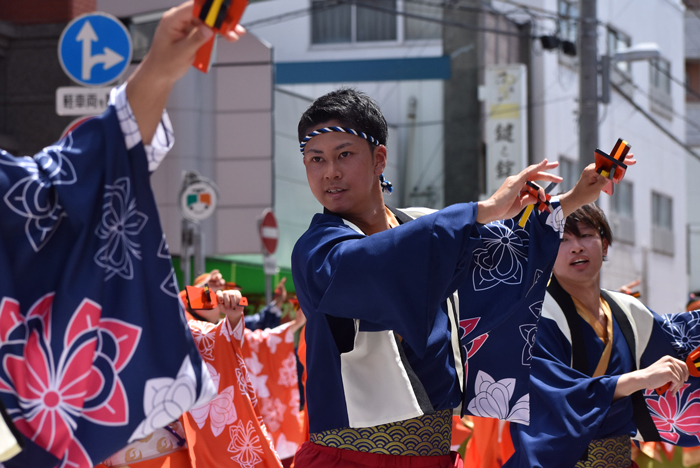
<point x="244" y="270"/>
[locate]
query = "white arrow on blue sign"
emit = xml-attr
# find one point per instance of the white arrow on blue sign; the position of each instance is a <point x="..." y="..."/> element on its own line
<point x="94" y="49"/>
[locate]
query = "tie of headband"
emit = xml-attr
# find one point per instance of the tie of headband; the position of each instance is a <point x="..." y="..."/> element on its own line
<point x="320" y="131"/>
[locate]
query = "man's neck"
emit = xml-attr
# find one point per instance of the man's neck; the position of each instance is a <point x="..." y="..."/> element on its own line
<point x="372" y="221"/>
<point x="587" y="293"/>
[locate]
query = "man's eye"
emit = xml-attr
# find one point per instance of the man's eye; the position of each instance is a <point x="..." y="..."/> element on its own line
<point x="316" y="159"/>
<point x="344" y="154"/>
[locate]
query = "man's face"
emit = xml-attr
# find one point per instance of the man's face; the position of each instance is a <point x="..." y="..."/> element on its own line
<point x="580" y="258"/>
<point x="343" y="171"/>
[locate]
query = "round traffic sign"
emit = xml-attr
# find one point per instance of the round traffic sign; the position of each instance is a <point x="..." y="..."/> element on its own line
<point x="269" y="233"/>
<point x="94" y="49"/>
<point x="198" y="200"/>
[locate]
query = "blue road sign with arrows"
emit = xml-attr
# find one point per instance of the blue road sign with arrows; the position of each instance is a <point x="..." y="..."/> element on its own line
<point x="94" y="49"/>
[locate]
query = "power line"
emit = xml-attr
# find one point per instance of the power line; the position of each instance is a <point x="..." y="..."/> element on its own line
<point x="685" y="86"/>
<point x="660" y="103"/>
<point x="444" y="22"/>
<point x="292" y="14"/>
<point x="656" y="123"/>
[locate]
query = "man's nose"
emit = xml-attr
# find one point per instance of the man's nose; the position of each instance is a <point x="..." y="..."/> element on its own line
<point x="333" y="170"/>
<point x="575" y="245"/>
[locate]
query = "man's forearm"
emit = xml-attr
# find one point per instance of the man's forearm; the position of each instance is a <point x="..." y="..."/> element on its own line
<point x="147" y="92"/>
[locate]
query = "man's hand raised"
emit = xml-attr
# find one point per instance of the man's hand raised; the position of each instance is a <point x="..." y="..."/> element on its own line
<point x="172" y="52"/>
<point x="588" y="188"/>
<point x="510" y="199"/>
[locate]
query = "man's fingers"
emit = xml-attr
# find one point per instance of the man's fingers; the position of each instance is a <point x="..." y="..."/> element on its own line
<point x="685" y="373"/>
<point x="527" y="199"/>
<point x="235" y="34"/>
<point x="546" y="176"/>
<point x="229" y="299"/>
<point x="197" y="37"/>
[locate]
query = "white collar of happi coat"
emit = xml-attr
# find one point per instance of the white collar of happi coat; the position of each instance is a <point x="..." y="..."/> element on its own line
<point x="641" y="319"/>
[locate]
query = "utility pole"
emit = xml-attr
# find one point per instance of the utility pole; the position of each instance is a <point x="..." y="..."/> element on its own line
<point x="462" y="109"/>
<point x="588" y="82"/>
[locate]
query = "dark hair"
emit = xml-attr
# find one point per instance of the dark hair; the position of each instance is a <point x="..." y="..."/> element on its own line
<point x="351" y="108"/>
<point x="591" y="216"/>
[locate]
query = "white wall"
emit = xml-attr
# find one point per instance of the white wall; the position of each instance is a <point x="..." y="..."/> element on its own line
<point x="223" y="130"/>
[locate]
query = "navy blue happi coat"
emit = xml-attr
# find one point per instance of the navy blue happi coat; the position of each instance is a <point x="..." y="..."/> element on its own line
<point x="94" y="348"/>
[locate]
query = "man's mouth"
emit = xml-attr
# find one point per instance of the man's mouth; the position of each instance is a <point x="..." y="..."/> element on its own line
<point x="335" y="190"/>
<point x="579" y="261"/>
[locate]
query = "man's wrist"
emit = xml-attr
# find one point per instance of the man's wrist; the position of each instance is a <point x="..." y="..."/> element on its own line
<point x="483" y="211"/>
<point x="150" y="76"/>
<point x="569" y="203"/>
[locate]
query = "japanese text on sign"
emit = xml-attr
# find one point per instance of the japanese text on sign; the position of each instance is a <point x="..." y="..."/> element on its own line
<point x="506" y="124"/>
<point x="75" y="100"/>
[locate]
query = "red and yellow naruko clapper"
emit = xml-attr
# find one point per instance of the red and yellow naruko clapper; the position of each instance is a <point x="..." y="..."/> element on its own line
<point x="205" y="298"/>
<point x="533" y="189"/>
<point x="221" y="16"/>
<point x="693" y="363"/>
<point x="612" y="165"/>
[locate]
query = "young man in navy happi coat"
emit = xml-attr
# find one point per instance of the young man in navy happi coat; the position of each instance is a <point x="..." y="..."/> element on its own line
<point x="399" y="301"/>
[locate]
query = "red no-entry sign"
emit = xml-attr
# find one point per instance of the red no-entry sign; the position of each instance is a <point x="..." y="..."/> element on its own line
<point x="269" y="233"/>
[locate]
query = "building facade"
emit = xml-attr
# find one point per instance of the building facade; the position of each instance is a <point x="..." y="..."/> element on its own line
<point x="646" y="108"/>
<point x="425" y="64"/>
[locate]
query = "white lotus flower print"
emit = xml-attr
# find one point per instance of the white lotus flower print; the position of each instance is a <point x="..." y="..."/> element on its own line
<point x="684" y="338"/>
<point x="288" y="372"/>
<point x="34" y="196"/>
<point x="121" y="223"/>
<point x="245" y="445"/>
<point x="556" y="219"/>
<point x="492" y="400"/>
<point x="501" y="259"/>
<point x="165" y="398"/>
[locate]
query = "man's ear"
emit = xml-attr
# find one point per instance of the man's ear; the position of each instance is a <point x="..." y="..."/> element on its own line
<point x="379" y="159"/>
<point x="605" y="247"/>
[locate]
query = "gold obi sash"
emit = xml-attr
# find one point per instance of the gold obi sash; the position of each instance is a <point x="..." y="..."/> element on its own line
<point x="424" y="436"/>
<point x="603" y="453"/>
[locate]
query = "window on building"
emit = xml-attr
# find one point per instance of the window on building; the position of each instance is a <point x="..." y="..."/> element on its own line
<point x="618" y="41"/>
<point x="568" y="21"/>
<point x="142" y="28"/>
<point x="349" y="23"/>
<point x="692" y="80"/>
<point x="662" y="211"/>
<point x="376" y="25"/>
<point x="660" y="75"/>
<point x="331" y="25"/>
<point x="660" y="87"/>
<point x="622" y="202"/>
<point x="567" y="171"/>
<point x="662" y="240"/>
<point x="415" y="28"/>
<point x="622" y="213"/>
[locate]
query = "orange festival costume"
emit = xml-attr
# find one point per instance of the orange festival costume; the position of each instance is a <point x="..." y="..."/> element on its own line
<point x="272" y="366"/>
<point x="226" y="432"/>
